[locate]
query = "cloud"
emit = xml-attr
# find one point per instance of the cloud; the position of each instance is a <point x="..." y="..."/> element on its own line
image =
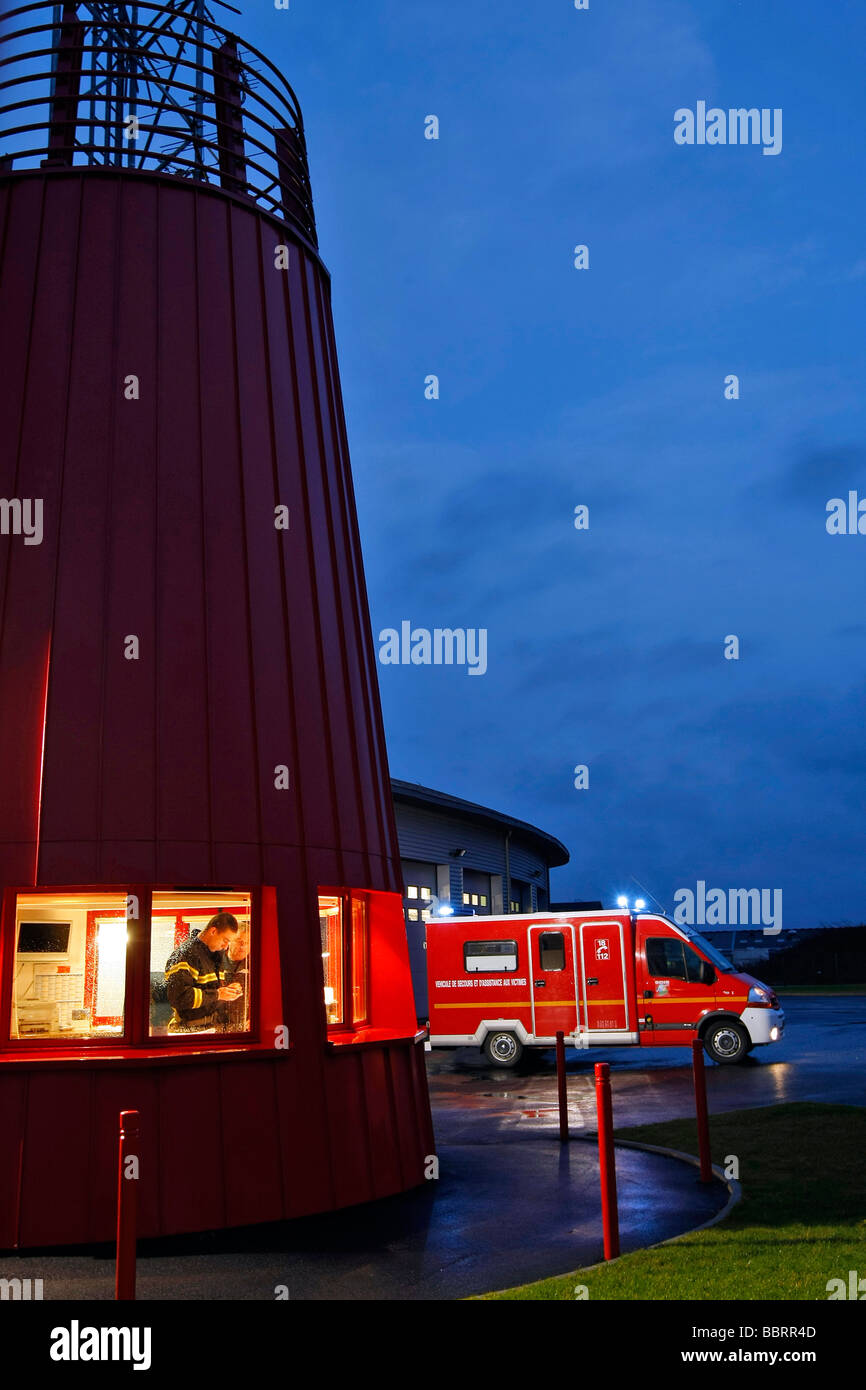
<point x="820" y="473"/>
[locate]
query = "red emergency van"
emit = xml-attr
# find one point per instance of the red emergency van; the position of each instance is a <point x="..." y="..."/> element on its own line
<point x="602" y="978"/>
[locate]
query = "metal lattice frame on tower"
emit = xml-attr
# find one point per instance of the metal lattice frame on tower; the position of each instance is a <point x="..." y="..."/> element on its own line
<point x="160" y="87"/>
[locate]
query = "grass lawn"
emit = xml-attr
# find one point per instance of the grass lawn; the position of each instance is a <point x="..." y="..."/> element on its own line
<point x="801" y="1220"/>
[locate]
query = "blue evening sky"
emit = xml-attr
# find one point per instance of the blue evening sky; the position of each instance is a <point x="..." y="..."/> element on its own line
<point x="605" y="387"/>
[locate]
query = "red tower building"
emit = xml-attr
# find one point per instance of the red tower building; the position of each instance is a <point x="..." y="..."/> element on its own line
<point x="189" y="713"/>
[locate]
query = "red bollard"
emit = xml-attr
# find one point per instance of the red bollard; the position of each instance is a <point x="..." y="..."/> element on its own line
<point x="701" y="1111"/>
<point x="606" y="1161"/>
<point x="127" y="1201"/>
<point x="560" y="1082"/>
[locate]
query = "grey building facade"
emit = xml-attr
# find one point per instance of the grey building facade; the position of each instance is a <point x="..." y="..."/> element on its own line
<point x="479" y="861"/>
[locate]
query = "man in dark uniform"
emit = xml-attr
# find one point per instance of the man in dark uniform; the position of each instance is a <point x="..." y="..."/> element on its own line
<point x="199" y="980"/>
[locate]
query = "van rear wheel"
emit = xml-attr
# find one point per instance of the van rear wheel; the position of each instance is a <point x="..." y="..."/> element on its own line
<point x="727" y="1042"/>
<point x="502" y="1049"/>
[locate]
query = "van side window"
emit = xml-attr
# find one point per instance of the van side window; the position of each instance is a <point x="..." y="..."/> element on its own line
<point x="665" y="958"/>
<point x="551" y="950"/>
<point x="672" y="959"/>
<point x="498" y="956"/>
<point x="693" y="965"/>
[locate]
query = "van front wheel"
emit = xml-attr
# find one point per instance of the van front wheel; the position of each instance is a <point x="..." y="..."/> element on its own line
<point x="502" y="1049"/>
<point x="727" y="1042"/>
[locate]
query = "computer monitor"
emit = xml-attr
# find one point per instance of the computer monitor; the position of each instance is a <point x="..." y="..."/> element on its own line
<point x="43" y="938"/>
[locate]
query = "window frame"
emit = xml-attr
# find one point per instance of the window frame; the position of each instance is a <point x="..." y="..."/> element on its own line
<point x="252" y="1033"/>
<point x="666" y="974"/>
<point x="489" y="941"/>
<point x="552" y="969"/>
<point x="362" y="902"/>
<point x="347" y="897"/>
<point x="135" y="1037"/>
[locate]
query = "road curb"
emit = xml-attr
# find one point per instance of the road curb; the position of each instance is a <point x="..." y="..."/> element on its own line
<point x="735" y="1193"/>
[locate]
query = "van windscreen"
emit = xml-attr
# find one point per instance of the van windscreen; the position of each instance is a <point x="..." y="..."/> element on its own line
<point x="711" y="952"/>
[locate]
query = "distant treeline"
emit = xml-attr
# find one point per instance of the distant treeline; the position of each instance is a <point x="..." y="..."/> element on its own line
<point x="831" y="956"/>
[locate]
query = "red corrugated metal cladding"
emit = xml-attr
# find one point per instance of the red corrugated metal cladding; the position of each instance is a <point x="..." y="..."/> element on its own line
<point x="254" y="652"/>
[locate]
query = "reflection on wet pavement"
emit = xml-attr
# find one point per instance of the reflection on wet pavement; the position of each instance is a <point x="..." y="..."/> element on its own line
<point x="822" y="1057"/>
<point x="512" y="1204"/>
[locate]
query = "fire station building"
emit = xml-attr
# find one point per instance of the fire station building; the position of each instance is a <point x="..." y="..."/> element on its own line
<point x="478" y="861"/>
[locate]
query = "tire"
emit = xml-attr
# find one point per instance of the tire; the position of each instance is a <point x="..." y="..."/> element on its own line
<point x="727" y="1042"/>
<point x="502" y="1049"/>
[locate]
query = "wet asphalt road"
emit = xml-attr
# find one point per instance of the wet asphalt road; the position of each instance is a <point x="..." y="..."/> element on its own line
<point x="500" y="1215"/>
<point x="822" y="1057"/>
<point x="511" y="1204"/>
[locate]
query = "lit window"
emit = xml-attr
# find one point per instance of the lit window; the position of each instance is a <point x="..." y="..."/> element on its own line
<point x="70" y="965"/>
<point x="331" y="925"/>
<point x="466" y="899"/>
<point x="514" y="906"/>
<point x="426" y="893"/>
<point x="413" y="914"/>
<point x="474" y="899"/>
<point x="412" y="891"/>
<point x="346" y="957"/>
<point x="200" y="963"/>
<point x="426" y="914"/>
<point x="360" y="951"/>
<point x="483" y="899"/>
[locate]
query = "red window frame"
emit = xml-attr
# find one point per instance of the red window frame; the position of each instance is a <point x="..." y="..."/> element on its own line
<point x="349" y="897"/>
<point x="136" y="1034"/>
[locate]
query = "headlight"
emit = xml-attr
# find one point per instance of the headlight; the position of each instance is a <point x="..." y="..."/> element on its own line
<point x="759" y="994"/>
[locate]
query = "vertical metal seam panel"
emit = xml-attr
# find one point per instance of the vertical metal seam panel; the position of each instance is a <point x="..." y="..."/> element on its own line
<point x="281" y="554"/>
<point x="22" y="1156"/>
<point x="203" y="538"/>
<point x="389" y="1059"/>
<point x="242" y="463"/>
<point x="130" y="701"/>
<point x="7" y="203"/>
<point x="76" y="713"/>
<point x="223" y="1166"/>
<point x="62" y="471"/>
<point x="311" y="567"/>
<point x="281" y="322"/>
<point x="385" y="800"/>
<point x="346" y="585"/>
<point x="317" y="564"/>
<point x="155" y="614"/>
<point x="374" y="699"/>
<point x="359" y="1066"/>
<point x="92" y="1162"/>
<point x="278" y="321"/>
<point x="229" y="711"/>
<point x="274" y="1129"/>
<point x="381" y="787"/>
<point x="182" y="773"/>
<point x="7" y="563"/>
<point x="33" y="300"/>
<point x="106" y="548"/>
<point x="335" y="568"/>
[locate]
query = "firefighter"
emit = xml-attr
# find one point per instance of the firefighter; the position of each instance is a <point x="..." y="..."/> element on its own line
<point x="199" y="980"/>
